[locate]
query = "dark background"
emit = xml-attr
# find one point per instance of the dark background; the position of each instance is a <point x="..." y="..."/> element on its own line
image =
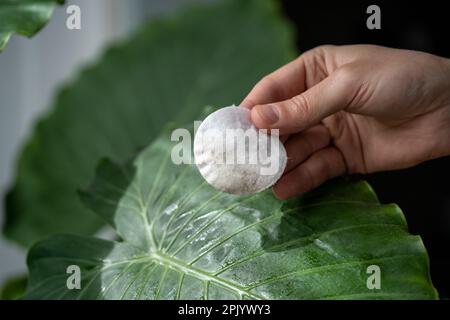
<point x="422" y="192"/>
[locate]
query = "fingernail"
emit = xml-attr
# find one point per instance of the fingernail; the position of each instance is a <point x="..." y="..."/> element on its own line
<point x="268" y="113"/>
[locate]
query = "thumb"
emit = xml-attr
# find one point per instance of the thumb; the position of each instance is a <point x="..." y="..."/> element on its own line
<point x="334" y="93"/>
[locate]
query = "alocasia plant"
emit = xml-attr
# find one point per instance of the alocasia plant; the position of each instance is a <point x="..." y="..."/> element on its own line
<point x="25" y="17"/>
<point x="166" y="72"/>
<point x="181" y="239"/>
<point x="178" y="237"/>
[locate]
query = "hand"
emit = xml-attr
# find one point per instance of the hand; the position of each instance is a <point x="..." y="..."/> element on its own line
<point x="354" y="109"/>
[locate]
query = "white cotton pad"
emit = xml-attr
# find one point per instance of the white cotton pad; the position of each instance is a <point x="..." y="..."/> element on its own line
<point x="234" y="156"/>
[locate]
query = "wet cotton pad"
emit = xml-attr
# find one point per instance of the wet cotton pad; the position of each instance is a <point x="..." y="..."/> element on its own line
<point x="234" y="156"/>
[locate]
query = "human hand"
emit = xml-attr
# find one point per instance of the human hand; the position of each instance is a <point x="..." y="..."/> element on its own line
<point x="354" y="109"/>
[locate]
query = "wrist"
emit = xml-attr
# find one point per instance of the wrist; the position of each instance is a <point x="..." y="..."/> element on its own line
<point x="446" y="68"/>
<point x="446" y="106"/>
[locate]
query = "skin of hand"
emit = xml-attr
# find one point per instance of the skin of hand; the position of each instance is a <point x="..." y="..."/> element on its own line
<point x="354" y="109"/>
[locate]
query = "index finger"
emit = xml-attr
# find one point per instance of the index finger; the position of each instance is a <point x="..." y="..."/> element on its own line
<point x="288" y="81"/>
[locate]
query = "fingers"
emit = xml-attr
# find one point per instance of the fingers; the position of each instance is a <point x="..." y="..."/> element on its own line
<point x="334" y="93"/>
<point x="300" y="146"/>
<point x="284" y="138"/>
<point x="269" y="89"/>
<point x="321" y="166"/>
<point x="289" y="80"/>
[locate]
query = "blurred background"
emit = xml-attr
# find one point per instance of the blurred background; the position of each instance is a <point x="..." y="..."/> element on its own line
<point x="31" y="71"/>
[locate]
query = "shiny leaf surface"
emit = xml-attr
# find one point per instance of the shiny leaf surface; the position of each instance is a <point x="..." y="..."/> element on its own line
<point x="181" y="239"/>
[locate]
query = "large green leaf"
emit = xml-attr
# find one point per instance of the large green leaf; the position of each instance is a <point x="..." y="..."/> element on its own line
<point x="25" y="17"/>
<point x="168" y="71"/>
<point x="183" y="239"/>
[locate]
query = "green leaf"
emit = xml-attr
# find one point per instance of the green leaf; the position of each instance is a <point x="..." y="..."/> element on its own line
<point x="169" y="70"/>
<point x="25" y="17"/>
<point x="181" y="239"/>
<point x="14" y="288"/>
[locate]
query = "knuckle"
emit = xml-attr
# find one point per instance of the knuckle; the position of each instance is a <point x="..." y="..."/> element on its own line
<point x="321" y="50"/>
<point x="345" y="76"/>
<point x="299" y="107"/>
<point x="336" y="163"/>
<point x="324" y="48"/>
<point x="357" y="90"/>
<point x="315" y="65"/>
<point x="321" y="135"/>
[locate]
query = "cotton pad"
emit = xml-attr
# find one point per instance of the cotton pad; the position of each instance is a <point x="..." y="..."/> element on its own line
<point x="234" y="156"/>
